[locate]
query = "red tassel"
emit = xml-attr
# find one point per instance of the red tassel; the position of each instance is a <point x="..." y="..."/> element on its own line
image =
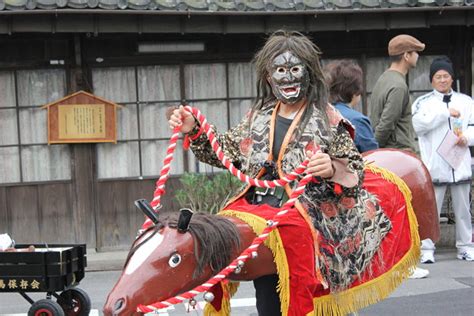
<point x="186" y="142"/>
<point x="187" y="139"/>
<point x="197" y="134"/>
<point x="337" y="189"/>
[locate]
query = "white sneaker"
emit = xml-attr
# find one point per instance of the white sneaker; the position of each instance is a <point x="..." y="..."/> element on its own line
<point x="419" y="273"/>
<point x="427" y="256"/>
<point x="466" y="255"/>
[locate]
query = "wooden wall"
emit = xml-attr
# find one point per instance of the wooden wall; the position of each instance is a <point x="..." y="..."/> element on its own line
<point x="102" y="213"/>
<point x="105" y="218"/>
<point x="117" y="217"/>
<point x="37" y="213"/>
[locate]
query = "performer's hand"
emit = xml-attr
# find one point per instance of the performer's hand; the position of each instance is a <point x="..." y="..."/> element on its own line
<point x="180" y="117"/>
<point x="319" y="165"/>
<point x="454" y="112"/>
<point x="462" y="141"/>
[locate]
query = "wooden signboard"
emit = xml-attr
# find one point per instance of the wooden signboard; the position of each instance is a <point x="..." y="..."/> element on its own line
<point x="82" y="118"/>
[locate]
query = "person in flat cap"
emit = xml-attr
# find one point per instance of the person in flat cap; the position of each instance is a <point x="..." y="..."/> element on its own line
<point x="390" y="102"/>
<point x="404" y="43"/>
<point x="390" y="111"/>
<point x="435" y="114"/>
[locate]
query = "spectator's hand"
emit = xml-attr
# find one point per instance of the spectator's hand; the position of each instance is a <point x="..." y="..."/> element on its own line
<point x="180" y="117"/>
<point x="319" y="165"/>
<point x="462" y="141"/>
<point x="454" y="112"/>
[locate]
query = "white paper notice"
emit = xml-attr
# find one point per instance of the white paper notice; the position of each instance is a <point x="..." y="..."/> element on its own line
<point x="450" y="152"/>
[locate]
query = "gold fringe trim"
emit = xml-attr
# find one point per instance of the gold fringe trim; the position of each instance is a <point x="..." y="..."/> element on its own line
<point x="275" y="244"/>
<point x="378" y="289"/>
<point x="228" y="288"/>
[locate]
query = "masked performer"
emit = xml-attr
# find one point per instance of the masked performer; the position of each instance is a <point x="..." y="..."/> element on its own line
<point x="328" y="242"/>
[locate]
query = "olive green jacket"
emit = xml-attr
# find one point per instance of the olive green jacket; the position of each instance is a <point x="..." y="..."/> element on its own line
<point x="390" y="112"/>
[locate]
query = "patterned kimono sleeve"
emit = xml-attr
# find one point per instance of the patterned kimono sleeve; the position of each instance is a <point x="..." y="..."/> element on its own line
<point x="344" y="152"/>
<point x="229" y="142"/>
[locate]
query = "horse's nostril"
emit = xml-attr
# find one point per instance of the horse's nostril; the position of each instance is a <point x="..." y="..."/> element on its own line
<point x="119" y="305"/>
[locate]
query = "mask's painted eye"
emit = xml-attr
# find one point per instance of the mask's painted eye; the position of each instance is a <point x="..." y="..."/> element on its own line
<point x="175" y="260"/>
<point x="281" y="70"/>
<point x="295" y="69"/>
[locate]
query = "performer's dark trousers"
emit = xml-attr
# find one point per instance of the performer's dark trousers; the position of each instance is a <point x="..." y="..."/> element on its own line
<point x="268" y="300"/>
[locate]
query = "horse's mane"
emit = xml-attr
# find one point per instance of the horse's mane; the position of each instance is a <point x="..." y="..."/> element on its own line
<point x="216" y="239"/>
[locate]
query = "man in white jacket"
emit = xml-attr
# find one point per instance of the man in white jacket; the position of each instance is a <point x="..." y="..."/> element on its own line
<point x="434" y="114"/>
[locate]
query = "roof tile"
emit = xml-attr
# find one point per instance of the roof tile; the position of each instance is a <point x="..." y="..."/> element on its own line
<point x="223" y="5"/>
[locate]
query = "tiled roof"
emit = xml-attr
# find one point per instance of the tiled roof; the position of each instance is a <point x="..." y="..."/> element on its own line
<point x="226" y="5"/>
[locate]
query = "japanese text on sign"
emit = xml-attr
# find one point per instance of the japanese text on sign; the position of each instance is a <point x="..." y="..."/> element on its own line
<point x="78" y="121"/>
<point x="13" y="284"/>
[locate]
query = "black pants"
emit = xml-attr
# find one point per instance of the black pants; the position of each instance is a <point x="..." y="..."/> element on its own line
<point x="268" y="300"/>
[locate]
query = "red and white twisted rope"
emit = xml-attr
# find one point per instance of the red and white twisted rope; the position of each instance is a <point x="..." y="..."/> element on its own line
<point x="165" y="171"/>
<point x="271" y="224"/>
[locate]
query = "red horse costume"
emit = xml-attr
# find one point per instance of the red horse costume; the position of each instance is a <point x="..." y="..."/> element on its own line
<point x="301" y="293"/>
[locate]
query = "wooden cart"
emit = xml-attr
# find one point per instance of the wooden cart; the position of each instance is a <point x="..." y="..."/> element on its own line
<point x="51" y="269"/>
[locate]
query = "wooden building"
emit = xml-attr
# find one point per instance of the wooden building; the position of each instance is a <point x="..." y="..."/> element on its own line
<point x="149" y="54"/>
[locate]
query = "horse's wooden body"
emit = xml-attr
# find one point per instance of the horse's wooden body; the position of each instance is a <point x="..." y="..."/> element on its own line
<point x="155" y="280"/>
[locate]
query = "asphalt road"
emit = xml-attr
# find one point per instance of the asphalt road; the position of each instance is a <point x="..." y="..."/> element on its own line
<point x="447" y="291"/>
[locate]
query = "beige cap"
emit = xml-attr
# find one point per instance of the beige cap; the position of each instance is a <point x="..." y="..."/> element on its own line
<point x="404" y="43"/>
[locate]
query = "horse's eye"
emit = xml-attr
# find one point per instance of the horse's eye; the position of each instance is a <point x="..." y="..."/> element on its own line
<point x="175" y="260"/>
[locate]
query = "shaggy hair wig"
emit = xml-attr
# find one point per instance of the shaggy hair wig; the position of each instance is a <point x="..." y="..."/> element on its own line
<point x="301" y="46"/>
<point x="217" y="239"/>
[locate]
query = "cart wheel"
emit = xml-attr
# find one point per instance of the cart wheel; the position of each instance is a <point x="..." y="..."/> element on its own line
<point x="75" y="302"/>
<point x="45" y="307"/>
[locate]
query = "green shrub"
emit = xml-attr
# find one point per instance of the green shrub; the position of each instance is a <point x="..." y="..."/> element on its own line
<point x="203" y="193"/>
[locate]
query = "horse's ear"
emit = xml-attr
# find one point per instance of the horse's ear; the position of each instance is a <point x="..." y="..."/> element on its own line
<point x="185" y="215"/>
<point x="146" y="208"/>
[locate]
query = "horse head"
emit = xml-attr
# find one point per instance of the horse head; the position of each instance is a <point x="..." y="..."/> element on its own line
<point x="174" y="255"/>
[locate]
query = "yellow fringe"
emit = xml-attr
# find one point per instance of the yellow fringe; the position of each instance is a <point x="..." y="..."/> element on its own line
<point x="375" y="290"/>
<point x="275" y="244"/>
<point x="228" y="288"/>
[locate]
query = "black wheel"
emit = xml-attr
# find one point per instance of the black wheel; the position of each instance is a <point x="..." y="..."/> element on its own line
<point x="75" y="302"/>
<point x="45" y="308"/>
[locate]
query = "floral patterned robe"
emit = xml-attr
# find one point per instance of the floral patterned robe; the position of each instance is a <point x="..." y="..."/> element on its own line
<point x="350" y="224"/>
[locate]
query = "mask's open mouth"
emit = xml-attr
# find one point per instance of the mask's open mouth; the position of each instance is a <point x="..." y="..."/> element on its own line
<point x="290" y="91"/>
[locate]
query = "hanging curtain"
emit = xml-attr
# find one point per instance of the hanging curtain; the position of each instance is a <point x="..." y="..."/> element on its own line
<point x="121" y="159"/>
<point x="39" y="161"/>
